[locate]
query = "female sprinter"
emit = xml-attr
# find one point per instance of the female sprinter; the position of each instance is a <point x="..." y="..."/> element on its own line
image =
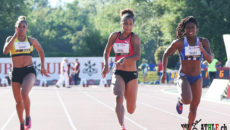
<point x="20" y="47"/>
<point x="126" y="46"/>
<point x="191" y="49"/>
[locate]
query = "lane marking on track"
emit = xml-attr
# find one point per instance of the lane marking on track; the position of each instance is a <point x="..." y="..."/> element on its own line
<point x="202" y="108"/>
<point x="159" y="109"/>
<point x="65" y="110"/>
<point x="202" y="98"/>
<point x="109" y="107"/>
<point x="8" y="121"/>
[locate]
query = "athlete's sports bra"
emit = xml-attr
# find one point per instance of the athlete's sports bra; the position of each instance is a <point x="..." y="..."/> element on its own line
<point x="122" y="48"/>
<point x="21" y="48"/>
<point x="191" y="52"/>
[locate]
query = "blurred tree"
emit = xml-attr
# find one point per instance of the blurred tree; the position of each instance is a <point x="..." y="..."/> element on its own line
<point x="9" y="12"/>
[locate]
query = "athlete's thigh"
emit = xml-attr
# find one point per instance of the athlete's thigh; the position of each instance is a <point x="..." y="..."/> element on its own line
<point x="197" y="91"/>
<point x="28" y="82"/>
<point x="16" y="87"/>
<point x="118" y="84"/>
<point x="184" y="89"/>
<point x="131" y="92"/>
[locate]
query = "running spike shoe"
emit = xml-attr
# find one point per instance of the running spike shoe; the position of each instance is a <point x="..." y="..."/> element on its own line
<point x="179" y="107"/>
<point x="28" y="122"/>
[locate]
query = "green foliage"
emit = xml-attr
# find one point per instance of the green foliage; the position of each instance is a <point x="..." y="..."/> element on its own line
<point x="159" y="53"/>
<point x="9" y="12"/>
<point x="82" y="28"/>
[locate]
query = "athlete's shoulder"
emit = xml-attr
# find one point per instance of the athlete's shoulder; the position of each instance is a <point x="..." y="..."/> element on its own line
<point x="178" y="41"/>
<point x="203" y="40"/>
<point x="134" y="35"/>
<point x="31" y="38"/>
<point x="114" y="34"/>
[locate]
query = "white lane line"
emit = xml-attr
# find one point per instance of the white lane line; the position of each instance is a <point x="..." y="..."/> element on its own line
<point x="109" y="107"/>
<point x="201" y="108"/>
<point x="8" y="121"/>
<point x="66" y="111"/>
<point x="159" y="109"/>
<point x="202" y="98"/>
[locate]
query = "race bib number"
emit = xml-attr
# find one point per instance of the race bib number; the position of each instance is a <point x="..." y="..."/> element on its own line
<point x="121" y="48"/>
<point x="22" y="46"/>
<point x="192" y="51"/>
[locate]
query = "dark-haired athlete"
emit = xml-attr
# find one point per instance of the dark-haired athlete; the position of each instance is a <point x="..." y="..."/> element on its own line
<point x="126" y="46"/>
<point x="191" y="49"/>
<point x="20" y="48"/>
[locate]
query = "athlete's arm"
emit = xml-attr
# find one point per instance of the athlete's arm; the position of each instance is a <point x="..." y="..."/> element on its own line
<point x="41" y="53"/>
<point x="205" y="49"/>
<point x="135" y="41"/>
<point x="9" y="42"/>
<point x="175" y="45"/>
<point x="107" y="51"/>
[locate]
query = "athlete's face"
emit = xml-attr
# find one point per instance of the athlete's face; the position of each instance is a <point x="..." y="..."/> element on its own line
<point x="190" y="29"/>
<point x="22" y="28"/>
<point x="127" y="25"/>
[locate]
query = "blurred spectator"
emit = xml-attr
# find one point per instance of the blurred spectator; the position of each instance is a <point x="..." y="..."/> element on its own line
<point x="159" y="69"/>
<point x="144" y="69"/>
<point x="70" y="73"/>
<point x="4" y="82"/>
<point x="111" y="64"/>
<point x="43" y="82"/>
<point x="64" y="74"/>
<point x="204" y="66"/>
<point x="151" y="66"/>
<point x="76" y="72"/>
<point x="212" y="68"/>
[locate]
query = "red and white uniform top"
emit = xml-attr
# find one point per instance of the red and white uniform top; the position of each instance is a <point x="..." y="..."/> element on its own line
<point x="122" y="48"/>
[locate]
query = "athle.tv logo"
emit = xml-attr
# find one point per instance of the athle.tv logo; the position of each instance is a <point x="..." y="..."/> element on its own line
<point x="208" y="126"/>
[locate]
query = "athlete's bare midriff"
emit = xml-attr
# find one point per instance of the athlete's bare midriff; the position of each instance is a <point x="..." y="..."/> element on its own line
<point x="127" y="66"/>
<point x="191" y="68"/>
<point x="21" y="61"/>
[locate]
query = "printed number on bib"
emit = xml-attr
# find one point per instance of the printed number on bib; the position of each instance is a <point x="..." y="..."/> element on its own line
<point x="121" y="48"/>
<point x="22" y="46"/>
<point x="192" y="51"/>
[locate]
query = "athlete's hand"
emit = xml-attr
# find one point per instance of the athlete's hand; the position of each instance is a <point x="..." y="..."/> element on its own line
<point x="120" y="61"/>
<point x="16" y="32"/>
<point x="44" y="72"/>
<point x="163" y="77"/>
<point x="201" y="47"/>
<point x="105" y="70"/>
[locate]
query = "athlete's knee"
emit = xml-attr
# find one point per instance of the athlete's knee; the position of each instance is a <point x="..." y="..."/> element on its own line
<point x="25" y="94"/>
<point x="119" y="99"/>
<point x="131" y="109"/>
<point x="193" y="109"/>
<point x="118" y="92"/>
<point x="19" y="103"/>
<point x="187" y="100"/>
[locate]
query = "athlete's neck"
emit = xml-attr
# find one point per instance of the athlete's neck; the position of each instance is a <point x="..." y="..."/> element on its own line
<point x="192" y="40"/>
<point x="22" y="37"/>
<point x="124" y="35"/>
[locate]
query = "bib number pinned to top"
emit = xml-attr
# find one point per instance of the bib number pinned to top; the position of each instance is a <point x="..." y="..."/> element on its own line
<point x="22" y="46"/>
<point x="121" y="48"/>
<point x="192" y="51"/>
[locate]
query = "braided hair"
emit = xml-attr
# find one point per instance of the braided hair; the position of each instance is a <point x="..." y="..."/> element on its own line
<point x="180" y="30"/>
<point x="126" y="13"/>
